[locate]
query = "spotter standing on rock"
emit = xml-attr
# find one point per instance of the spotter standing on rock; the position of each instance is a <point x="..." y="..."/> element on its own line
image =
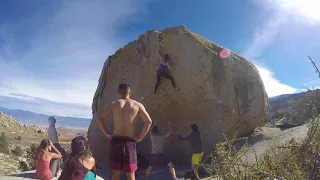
<point x="157" y="157"/>
<point x="195" y="141"/>
<point x="123" y="141"/>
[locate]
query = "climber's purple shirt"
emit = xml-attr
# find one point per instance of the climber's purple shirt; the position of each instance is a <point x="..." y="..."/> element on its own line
<point x="162" y="67"/>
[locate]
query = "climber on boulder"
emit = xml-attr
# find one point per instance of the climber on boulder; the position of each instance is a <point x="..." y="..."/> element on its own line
<point x="195" y="141"/>
<point x="163" y="71"/>
<point x="157" y="157"/>
<point x="123" y="152"/>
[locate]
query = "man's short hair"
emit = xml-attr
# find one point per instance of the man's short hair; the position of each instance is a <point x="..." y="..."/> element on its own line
<point x="194" y="128"/>
<point x="124" y="89"/>
<point x="52" y="120"/>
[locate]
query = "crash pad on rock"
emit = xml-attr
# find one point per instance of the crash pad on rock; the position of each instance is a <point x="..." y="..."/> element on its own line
<point x="222" y="96"/>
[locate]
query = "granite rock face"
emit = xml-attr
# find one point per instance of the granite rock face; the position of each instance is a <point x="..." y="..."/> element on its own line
<point x="222" y="96"/>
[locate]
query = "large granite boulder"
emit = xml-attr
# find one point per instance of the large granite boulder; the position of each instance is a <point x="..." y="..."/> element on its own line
<point x="222" y="96"/>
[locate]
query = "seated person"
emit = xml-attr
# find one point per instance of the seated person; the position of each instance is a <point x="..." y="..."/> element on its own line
<point x="80" y="164"/>
<point x="43" y="158"/>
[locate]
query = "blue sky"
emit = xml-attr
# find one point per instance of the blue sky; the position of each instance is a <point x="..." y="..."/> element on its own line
<point x="52" y="52"/>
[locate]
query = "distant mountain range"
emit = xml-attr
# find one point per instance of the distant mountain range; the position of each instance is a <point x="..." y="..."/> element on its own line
<point x="31" y="118"/>
<point x="277" y="103"/>
<point x="284" y="102"/>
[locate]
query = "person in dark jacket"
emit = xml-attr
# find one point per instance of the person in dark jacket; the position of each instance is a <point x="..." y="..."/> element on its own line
<point x="195" y="141"/>
<point x="163" y="71"/>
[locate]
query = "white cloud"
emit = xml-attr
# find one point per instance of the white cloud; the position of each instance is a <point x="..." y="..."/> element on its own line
<point x="308" y="9"/>
<point x="62" y="59"/>
<point x="260" y="41"/>
<point x="273" y="86"/>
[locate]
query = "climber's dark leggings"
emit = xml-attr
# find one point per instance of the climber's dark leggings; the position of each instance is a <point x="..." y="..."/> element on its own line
<point x="165" y="74"/>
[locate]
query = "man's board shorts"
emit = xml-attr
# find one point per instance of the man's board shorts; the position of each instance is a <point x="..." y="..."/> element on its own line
<point x="196" y="158"/>
<point x="158" y="159"/>
<point x="123" y="154"/>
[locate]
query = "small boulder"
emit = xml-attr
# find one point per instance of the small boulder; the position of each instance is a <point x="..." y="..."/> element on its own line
<point x="5" y="124"/>
<point x="39" y="130"/>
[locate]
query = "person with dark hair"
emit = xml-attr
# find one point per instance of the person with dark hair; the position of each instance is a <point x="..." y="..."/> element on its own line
<point x="80" y="164"/>
<point x="157" y="157"/>
<point x="123" y="153"/>
<point x="195" y="141"/>
<point x="53" y="137"/>
<point x="43" y="158"/>
<point x="163" y="71"/>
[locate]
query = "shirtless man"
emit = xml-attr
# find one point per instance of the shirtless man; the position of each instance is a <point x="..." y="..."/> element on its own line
<point x="123" y="141"/>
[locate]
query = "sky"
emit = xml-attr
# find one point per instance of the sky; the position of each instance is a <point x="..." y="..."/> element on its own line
<point x="52" y="52"/>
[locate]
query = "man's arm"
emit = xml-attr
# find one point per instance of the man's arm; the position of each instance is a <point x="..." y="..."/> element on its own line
<point x="184" y="138"/>
<point x="100" y="117"/>
<point x="147" y="122"/>
<point x="170" y="130"/>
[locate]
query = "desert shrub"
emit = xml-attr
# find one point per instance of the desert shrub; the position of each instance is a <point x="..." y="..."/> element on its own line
<point x="4" y="144"/>
<point x="279" y="115"/>
<point x="19" y="138"/>
<point x="17" y="151"/>
<point x="31" y="156"/>
<point x="23" y="166"/>
<point x="290" y="160"/>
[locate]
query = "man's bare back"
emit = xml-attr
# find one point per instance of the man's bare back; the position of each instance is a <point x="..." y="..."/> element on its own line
<point x="125" y="113"/>
<point x="123" y="140"/>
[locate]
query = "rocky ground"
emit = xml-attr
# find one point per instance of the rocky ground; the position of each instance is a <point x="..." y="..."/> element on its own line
<point x="265" y="138"/>
<point x="23" y="135"/>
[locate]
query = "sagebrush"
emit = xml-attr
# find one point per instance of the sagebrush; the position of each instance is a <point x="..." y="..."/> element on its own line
<point x="4" y="143"/>
<point x="291" y="160"/>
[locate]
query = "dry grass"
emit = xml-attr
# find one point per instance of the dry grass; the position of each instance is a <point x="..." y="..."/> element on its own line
<point x="291" y="160"/>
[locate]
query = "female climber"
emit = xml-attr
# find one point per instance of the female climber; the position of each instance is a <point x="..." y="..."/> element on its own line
<point x="43" y="158"/>
<point x="163" y="71"/>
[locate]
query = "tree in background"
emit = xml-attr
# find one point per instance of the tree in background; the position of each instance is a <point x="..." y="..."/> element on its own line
<point x="4" y="144"/>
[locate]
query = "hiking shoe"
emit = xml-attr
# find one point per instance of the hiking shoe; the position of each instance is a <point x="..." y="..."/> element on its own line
<point x="177" y="89"/>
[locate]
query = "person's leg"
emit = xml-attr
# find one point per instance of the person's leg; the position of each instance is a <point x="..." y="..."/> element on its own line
<point x="195" y="170"/>
<point x="130" y="158"/>
<point x="130" y="176"/>
<point x="195" y="161"/>
<point x="167" y="74"/>
<point x="172" y="170"/>
<point x="116" y="175"/>
<point x="54" y="167"/>
<point x="115" y="158"/>
<point x="148" y="172"/>
<point x="158" y="82"/>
